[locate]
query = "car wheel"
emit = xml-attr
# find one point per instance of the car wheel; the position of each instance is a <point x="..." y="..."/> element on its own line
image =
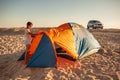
<point x="88" y="27"/>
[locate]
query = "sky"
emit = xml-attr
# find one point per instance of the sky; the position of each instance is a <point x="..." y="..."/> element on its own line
<point x="52" y="13"/>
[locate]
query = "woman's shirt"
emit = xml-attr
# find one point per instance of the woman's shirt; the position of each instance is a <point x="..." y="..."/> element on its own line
<point x="28" y="37"/>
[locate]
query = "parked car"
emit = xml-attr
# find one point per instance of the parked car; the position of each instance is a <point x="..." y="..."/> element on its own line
<point x="94" y="24"/>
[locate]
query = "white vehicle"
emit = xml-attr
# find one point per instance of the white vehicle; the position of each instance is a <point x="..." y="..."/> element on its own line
<point x="94" y="24"/>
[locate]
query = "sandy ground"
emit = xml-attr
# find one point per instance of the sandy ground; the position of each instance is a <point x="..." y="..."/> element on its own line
<point x="103" y="65"/>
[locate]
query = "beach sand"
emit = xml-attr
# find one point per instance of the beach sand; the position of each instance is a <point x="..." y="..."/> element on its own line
<point x="103" y="65"/>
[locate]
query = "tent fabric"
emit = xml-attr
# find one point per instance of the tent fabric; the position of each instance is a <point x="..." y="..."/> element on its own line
<point x="73" y="38"/>
<point x="63" y="37"/>
<point x="44" y="55"/>
<point x="85" y="41"/>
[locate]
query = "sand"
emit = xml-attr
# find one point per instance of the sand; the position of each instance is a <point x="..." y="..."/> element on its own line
<point x="103" y="65"/>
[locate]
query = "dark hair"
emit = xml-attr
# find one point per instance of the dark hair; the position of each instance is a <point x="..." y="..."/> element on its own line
<point x="29" y="23"/>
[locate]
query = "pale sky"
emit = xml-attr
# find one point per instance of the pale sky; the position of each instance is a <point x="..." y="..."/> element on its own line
<point x="15" y="13"/>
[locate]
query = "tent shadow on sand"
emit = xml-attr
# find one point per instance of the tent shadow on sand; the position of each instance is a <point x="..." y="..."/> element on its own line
<point x="10" y="67"/>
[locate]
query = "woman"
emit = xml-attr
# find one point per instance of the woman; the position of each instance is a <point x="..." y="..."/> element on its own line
<point x="28" y="38"/>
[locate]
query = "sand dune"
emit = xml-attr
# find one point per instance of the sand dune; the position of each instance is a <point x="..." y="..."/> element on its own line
<point x="103" y="65"/>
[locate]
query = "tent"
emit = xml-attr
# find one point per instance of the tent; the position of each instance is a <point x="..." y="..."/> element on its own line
<point x="73" y="38"/>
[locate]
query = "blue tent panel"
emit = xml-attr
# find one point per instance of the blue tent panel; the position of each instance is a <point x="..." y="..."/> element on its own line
<point x="22" y="57"/>
<point x="44" y="55"/>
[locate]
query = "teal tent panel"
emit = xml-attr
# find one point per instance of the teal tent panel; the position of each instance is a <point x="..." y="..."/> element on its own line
<point x="44" y="55"/>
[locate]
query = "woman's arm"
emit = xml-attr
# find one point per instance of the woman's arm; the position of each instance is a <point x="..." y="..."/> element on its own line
<point x="33" y="35"/>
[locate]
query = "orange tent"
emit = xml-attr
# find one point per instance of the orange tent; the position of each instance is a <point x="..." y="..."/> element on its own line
<point x="42" y="52"/>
